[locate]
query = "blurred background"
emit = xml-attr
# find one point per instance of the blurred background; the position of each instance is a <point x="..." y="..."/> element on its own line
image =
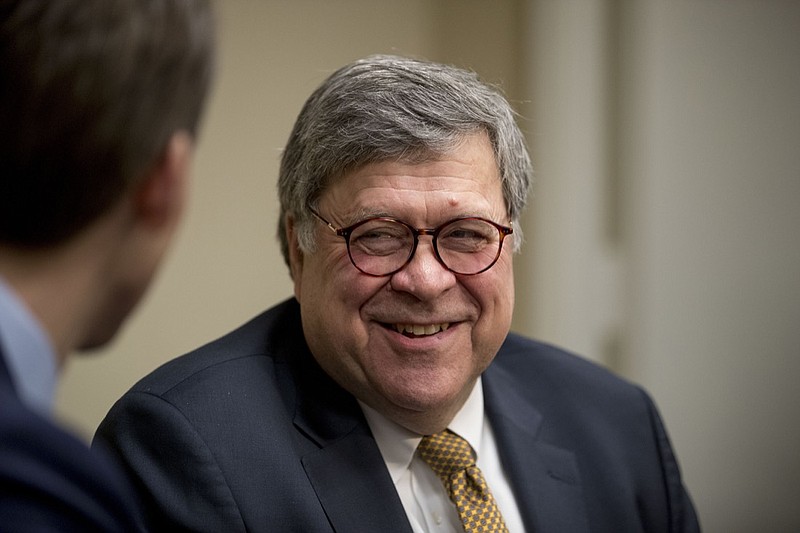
<point x="662" y="239"/>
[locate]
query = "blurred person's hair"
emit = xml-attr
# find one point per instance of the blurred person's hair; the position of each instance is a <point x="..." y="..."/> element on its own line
<point x="91" y="91"/>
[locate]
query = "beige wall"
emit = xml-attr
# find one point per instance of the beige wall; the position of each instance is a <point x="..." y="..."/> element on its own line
<point x="661" y="241"/>
<point x="712" y="160"/>
<point x="665" y="227"/>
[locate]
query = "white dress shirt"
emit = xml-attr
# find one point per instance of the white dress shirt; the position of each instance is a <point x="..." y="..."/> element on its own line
<point x="27" y="352"/>
<point x="424" y="497"/>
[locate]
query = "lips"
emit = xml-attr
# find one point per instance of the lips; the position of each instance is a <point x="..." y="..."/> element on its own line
<point x="420" y="330"/>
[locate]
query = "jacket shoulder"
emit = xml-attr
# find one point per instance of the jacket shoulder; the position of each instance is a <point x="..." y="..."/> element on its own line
<point x="556" y="377"/>
<point x="262" y="340"/>
<point x="50" y="480"/>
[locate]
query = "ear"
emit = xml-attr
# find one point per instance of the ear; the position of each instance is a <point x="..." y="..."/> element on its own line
<point x="295" y="254"/>
<point x="161" y="197"/>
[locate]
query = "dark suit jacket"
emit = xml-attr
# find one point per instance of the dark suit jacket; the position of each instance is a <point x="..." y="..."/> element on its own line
<point x="248" y="434"/>
<point x="51" y="481"/>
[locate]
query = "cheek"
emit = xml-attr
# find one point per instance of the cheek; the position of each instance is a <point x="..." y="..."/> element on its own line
<point x="335" y="331"/>
<point x="495" y="296"/>
<point x="333" y="292"/>
<point x="319" y="274"/>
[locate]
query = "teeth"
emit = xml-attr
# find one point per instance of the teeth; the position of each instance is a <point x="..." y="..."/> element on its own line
<point x="420" y="329"/>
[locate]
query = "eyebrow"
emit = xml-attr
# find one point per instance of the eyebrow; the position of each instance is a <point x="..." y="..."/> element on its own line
<point x="364" y="214"/>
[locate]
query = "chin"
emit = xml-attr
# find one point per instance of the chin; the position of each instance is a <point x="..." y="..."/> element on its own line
<point x="422" y="396"/>
<point x="107" y="326"/>
<point x="97" y="340"/>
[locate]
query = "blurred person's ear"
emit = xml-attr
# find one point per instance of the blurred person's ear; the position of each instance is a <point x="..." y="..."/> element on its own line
<point x="161" y="197"/>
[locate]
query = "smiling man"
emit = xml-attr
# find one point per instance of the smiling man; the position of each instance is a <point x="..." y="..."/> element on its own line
<point x="389" y="395"/>
<point x="410" y="343"/>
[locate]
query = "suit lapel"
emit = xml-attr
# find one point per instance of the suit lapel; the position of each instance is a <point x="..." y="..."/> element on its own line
<point x="354" y="487"/>
<point x="342" y="461"/>
<point x="544" y="478"/>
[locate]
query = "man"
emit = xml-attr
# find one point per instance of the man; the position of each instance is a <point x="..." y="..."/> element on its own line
<point x="99" y="106"/>
<point x="401" y="188"/>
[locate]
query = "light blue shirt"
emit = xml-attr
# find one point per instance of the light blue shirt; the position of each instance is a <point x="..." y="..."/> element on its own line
<point x="27" y="351"/>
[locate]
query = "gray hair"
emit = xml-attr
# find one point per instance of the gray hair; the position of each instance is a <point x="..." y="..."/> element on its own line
<point x="394" y="108"/>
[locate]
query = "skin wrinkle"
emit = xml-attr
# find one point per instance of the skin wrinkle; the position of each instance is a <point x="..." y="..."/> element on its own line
<point x="403" y="185"/>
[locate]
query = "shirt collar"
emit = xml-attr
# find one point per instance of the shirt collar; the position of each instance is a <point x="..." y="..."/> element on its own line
<point x="398" y="445"/>
<point x="27" y="351"/>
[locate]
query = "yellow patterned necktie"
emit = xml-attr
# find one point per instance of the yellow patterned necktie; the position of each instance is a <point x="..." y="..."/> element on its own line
<point x="451" y="458"/>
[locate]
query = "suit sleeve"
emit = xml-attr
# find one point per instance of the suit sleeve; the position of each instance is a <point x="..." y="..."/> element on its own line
<point x="51" y="482"/>
<point x="682" y="515"/>
<point x="179" y="482"/>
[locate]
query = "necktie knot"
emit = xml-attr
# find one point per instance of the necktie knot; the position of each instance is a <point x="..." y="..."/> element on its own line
<point x="446" y="453"/>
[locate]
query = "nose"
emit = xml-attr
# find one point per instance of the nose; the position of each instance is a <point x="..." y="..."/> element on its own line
<point x="424" y="276"/>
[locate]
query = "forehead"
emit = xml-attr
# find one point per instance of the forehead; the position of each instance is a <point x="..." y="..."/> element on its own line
<point x="466" y="178"/>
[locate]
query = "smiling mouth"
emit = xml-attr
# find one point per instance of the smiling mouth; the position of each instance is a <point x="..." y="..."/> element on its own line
<point x="419" y="330"/>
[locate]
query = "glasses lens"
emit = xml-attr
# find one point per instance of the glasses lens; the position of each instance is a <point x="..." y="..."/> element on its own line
<point x="469" y="246"/>
<point x="380" y="246"/>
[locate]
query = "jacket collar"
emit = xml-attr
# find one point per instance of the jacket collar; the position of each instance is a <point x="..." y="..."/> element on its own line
<point x="345" y="467"/>
<point x="545" y="478"/>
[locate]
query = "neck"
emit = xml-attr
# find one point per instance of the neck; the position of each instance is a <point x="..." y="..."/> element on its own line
<point x="50" y="290"/>
<point x="429" y="421"/>
<point x="63" y="285"/>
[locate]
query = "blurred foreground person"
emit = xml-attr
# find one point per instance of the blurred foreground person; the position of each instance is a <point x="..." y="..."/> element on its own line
<point x="99" y="107"/>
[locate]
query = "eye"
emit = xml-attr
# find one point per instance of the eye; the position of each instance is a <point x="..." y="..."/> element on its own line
<point x="467" y="236"/>
<point x="380" y="237"/>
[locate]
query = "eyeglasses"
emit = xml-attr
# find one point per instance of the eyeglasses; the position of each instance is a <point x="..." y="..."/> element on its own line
<point x="381" y="246"/>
